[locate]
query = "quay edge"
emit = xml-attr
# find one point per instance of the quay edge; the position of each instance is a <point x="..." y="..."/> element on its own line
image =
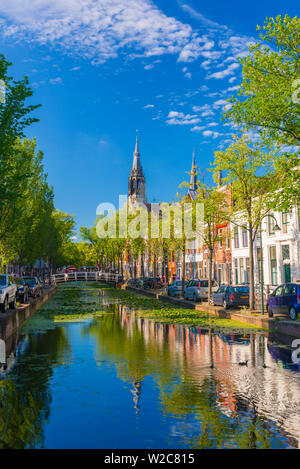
<point x="12" y="320"/>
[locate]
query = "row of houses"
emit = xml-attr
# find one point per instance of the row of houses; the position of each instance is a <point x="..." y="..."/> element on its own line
<point x="280" y="252"/>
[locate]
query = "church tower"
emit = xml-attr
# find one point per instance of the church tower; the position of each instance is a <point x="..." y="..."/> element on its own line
<point x="192" y="192"/>
<point x="136" y="181"/>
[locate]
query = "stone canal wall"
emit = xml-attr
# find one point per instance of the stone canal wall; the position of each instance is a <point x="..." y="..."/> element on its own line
<point x="12" y="319"/>
<point x="282" y="326"/>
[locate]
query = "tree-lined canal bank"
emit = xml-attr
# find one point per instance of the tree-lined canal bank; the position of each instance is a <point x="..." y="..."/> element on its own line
<point x="89" y="371"/>
<point x="11" y="320"/>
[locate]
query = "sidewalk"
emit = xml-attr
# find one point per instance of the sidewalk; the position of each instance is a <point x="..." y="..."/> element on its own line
<point x="279" y="323"/>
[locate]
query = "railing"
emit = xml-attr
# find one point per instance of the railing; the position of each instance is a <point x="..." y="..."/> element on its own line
<point x="86" y="276"/>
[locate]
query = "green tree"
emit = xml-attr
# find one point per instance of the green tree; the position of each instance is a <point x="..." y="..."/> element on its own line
<point x="215" y="208"/>
<point x="15" y="116"/>
<point x="251" y="192"/>
<point x="268" y="98"/>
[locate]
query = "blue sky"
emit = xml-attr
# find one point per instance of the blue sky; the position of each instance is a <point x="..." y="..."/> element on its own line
<point x="103" y="68"/>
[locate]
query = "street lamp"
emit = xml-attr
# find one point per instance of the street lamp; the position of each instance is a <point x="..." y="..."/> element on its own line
<point x="275" y="228"/>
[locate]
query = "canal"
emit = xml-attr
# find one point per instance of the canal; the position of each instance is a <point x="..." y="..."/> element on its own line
<point x="86" y="371"/>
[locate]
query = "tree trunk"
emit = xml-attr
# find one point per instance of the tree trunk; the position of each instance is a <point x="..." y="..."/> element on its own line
<point x="142" y="266"/>
<point x="210" y="265"/>
<point x="183" y="264"/>
<point x="165" y="268"/>
<point x="251" y="265"/>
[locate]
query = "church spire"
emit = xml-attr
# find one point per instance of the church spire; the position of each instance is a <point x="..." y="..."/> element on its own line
<point x="192" y="192"/>
<point x="193" y="180"/>
<point x="136" y="165"/>
<point x="136" y="182"/>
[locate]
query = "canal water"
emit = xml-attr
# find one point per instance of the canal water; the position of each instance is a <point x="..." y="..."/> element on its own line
<point x="87" y="372"/>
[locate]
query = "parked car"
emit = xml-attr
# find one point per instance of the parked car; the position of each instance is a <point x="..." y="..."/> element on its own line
<point x="153" y="282"/>
<point x="34" y="287"/>
<point x="22" y="290"/>
<point x="285" y="299"/>
<point x="8" y="292"/>
<point x="228" y="296"/>
<point x="175" y="288"/>
<point x="197" y="289"/>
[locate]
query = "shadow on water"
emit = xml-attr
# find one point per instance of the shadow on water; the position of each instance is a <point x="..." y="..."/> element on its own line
<point x="89" y="361"/>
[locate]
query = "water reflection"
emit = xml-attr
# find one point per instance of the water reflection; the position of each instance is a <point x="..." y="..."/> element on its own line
<point x="169" y="386"/>
<point x="199" y="373"/>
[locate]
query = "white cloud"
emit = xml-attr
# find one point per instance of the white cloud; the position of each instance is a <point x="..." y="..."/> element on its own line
<point x="205" y="21"/>
<point x="206" y="64"/>
<point x="238" y="45"/>
<point x="210" y="133"/>
<point x="149" y="67"/>
<point x="148" y="106"/>
<point x="219" y="103"/>
<point x="100" y="29"/>
<point x="205" y="110"/>
<point x="56" y="81"/>
<point x="179" y="118"/>
<point x="224" y="73"/>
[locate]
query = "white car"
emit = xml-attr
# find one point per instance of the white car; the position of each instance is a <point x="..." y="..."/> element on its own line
<point x="197" y="289"/>
<point x="8" y="292"/>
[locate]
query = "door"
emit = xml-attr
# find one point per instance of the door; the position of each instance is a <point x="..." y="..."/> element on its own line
<point x="287" y="272"/>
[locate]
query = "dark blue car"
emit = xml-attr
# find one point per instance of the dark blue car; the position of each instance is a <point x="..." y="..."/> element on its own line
<point x="227" y="296"/>
<point x="285" y="300"/>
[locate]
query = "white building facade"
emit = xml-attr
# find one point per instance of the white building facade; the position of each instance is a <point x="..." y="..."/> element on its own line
<point x="280" y="250"/>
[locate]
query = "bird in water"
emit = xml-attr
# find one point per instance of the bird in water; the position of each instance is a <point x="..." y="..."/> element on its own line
<point x="244" y="363"/>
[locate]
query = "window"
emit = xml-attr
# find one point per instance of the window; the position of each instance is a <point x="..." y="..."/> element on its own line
<point x="285" y="249"/>
<point x="227" y="239"/>
<point x="285" y="222"/>
<point x="247" y="280"/>
<point x="241" y="261"/>
<point x="271" y="224"/>
<point x="236" y="237"/>
<point x="236" y="271"/>
<point x="220" y="238"/>
<point x="229" y="274"/>
<point x="258" y="233"/>
<point x="245" y="237"/>
<point x="241" y="289"/>
<point x="258" y="251"/>
<point x="279" y="291"/>
<point x="290" y="290"/>
<point x="285" y="254"/>
<point x="204" y="283"/>
<point x="273" y="265"/>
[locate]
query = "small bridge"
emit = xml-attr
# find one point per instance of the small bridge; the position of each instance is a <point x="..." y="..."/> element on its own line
<point x="86" y="276"/>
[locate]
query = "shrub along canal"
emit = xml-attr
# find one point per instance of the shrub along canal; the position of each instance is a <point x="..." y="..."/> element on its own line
<point x="90" y="370"/>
